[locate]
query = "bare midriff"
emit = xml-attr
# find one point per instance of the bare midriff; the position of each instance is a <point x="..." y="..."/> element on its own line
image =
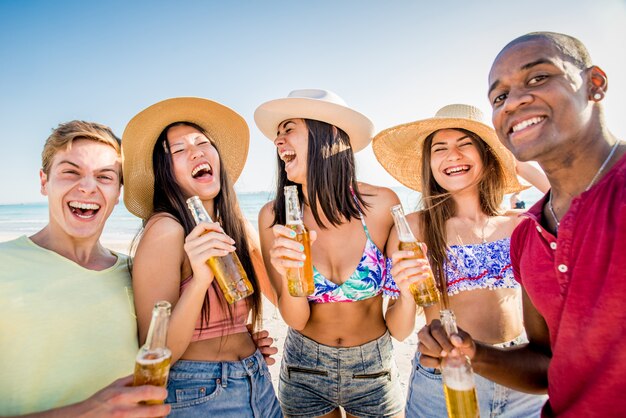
<point x="346" y="324"/>
<point x="489" y="316"/>
<point x="228" y="348"/>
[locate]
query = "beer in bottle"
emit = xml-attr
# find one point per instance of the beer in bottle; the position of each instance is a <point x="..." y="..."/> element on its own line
<point x="458" y="377"/>
<point x="299" y="279"/>
<point x="424" y="292"/>
<point x="152" y="364"/>
<point x="229" y="273"/>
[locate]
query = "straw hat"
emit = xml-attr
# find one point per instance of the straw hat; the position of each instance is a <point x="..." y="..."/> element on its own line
<point x="227" y="129"/>
<point x="399" y="149"/>
<point x="321" y="105"/>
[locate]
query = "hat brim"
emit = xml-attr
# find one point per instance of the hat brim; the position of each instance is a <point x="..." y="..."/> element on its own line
<point x="226" y="128"/>
<point x="399" y="149"/>
<point x="358" y="126"/>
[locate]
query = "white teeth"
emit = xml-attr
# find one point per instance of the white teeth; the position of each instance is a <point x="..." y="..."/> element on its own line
<point x="84" y="206"/>
<point x="456" y="169"/>
<point x="287" y="155"/>
<point x="527" y="123"/>
<point x="204" y="166"/>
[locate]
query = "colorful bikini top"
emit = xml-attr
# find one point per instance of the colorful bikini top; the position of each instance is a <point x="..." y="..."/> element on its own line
<point x="371" y="277"/>
<point x="480" y="266"/>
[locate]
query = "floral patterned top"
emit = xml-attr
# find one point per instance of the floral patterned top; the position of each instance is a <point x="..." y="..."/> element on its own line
<point x="480" y="266"/>
<point x="371" y="277"/>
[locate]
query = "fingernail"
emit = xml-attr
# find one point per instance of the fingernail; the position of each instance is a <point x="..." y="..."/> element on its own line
<point x="301" y="247"/>
<point x="300" y="264"/>
<point x="303" y="257"/>
<point x="292" y="234"/>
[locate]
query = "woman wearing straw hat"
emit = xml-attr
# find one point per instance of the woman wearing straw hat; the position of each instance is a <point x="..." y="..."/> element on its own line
<point x="173" y="150"/>
<point x="338" y="352"/>
<point x="458" y="164"/>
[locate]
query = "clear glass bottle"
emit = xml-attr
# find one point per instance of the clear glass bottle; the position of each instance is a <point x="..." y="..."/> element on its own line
<point x="152" y="364"/>
<point x="229" y="273"/>
<point x="299" y="280"/>
<point x="458" y="377"/>
<point x="425" y="292"/>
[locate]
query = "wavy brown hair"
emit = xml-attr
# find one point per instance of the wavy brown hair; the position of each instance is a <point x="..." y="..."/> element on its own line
<point x="439" y="206"/>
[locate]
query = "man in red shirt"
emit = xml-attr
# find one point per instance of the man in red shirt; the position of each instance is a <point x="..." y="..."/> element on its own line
<point x="569" y="253"/>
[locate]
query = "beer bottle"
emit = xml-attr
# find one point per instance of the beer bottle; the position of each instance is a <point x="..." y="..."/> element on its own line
<point x="229" y="273"/>
<point x="458" y="377"/>
<point x="152" y="364"/>
<point x="424" y="292"/>
<point x="299" y="279"/>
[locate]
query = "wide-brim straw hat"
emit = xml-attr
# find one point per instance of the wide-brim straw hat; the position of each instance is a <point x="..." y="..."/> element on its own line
<point x="399" y="148"/>
<point x="225" y="127"/>
<point x="316" y="104"/>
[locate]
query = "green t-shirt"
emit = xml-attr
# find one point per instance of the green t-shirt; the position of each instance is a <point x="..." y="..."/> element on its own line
<point x="65" y="331"/>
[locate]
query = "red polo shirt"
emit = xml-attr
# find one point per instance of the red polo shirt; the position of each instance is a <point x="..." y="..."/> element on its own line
<point x="577" y="282"/>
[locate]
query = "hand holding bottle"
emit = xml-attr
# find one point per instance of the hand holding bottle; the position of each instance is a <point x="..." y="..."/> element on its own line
<point x="408" y="270"/>
<point x="286" y="252"/>
<point x="230" y="275"/>
<point x="434" y="344"/>
<point x="206" y="240"/>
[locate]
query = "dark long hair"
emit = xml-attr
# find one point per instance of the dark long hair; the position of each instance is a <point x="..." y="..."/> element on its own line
<point x="168" y="198"/>
<point x="439" y="207"/>
<point x="331" y="174"/>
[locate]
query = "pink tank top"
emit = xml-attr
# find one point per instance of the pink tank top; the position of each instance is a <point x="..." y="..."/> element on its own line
<point x="220" y="324"/>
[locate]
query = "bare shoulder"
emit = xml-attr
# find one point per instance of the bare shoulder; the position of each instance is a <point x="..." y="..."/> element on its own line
<point x="163" y="226"/>
<point x="161" y="248"/>
<point x="378" y="196"/>
<point x="266" y="215"/>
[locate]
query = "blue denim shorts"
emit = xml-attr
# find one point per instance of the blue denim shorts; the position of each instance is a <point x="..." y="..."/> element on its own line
<point x="315" y="379"/>
<point x="426" y="399"/>
<point x="222" y="389"/>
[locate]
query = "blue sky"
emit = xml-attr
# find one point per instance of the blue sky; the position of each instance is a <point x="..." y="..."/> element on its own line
<point x="393" y="61"/>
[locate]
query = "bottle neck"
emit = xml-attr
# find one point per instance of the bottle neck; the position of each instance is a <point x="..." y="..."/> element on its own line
<point x="157" y="333"/>
<point x="402" y="226"/>
<point x="448" y="321"/>
<point x="198" y="211"/>
<point x="292" y="207"/>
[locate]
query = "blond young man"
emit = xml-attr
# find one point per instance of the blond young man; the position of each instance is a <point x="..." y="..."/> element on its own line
<point x="67" y="325"/>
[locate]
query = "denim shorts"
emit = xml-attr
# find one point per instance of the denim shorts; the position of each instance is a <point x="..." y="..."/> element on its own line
<point x="222" y="389"/>
<point x="426" y="398"/>
<point x="315" y="379"/>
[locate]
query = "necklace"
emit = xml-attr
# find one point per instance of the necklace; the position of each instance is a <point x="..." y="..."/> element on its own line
<point x="591" y="183"/>
<point x="482" y="237"/>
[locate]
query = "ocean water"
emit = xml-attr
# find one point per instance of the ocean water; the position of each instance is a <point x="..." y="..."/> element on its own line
<point x="122" y="226"/>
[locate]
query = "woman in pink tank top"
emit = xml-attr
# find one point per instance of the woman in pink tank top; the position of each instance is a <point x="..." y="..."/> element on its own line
<point x="173" y="150"/>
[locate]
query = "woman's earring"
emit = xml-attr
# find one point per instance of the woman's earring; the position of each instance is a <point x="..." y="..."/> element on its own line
<point x="597" y="97"/>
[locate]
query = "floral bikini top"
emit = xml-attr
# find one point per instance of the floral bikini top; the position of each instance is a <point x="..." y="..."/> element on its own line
<point x="371" y="277"/>
<point x="480" y="266"/>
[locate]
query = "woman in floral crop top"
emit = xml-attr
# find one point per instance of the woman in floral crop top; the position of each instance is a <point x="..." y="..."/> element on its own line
<point x="458" y="164"/>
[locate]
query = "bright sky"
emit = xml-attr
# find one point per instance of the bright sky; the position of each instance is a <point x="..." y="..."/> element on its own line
<point x="394" y="61"/>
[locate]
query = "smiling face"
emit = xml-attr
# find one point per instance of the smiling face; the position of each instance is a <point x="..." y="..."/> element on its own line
<point x="540" y="100"/>
<point x="455" y="161"/>
<point x="83" y="186"/>
<point x="195" y="162"/>
<point x="292" y="141"/>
